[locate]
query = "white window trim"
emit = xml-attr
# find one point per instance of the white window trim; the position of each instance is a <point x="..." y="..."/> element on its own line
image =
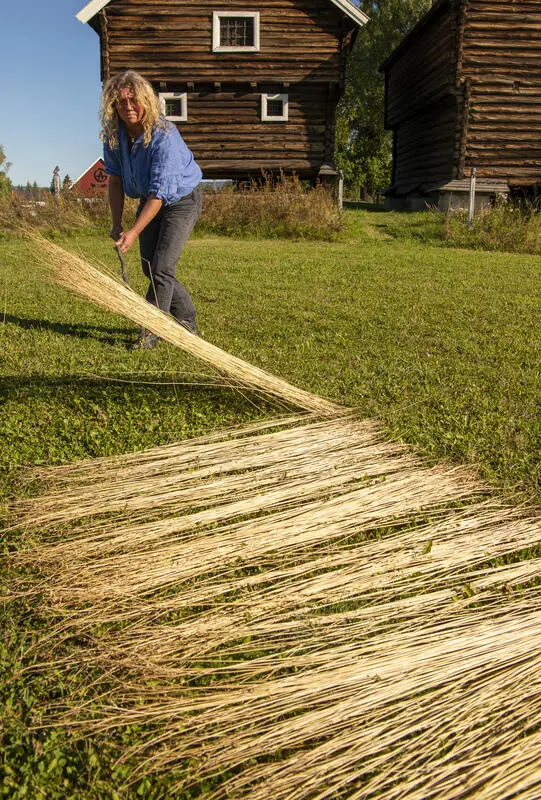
<point x="183" y="97"/>
<point x="218" y="48"/>
<point x="264" y="114"/>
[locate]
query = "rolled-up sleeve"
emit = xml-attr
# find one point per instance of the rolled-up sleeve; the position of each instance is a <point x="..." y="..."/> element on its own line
<point x="112" y="161"/>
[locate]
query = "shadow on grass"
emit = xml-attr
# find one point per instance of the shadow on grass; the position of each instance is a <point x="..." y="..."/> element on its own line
<point x="363" y="205"/>
<point x="100" y="333"/>
<point x="88" y="385"/>
<point x="124" y="393"/>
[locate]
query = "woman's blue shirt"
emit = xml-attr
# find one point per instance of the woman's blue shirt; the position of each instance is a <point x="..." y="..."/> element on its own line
<point x="166" y="168"/>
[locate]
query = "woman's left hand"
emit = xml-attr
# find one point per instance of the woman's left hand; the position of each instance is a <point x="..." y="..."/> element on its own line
<point x="127" y="238"/>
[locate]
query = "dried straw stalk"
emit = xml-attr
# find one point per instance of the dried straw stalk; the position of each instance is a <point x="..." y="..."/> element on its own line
<point x="77" y="275"/>
<point x="192" y="474"/>
<point x="364" y="714"/>
<point x="220" y="605"/>
<point x="302" y="704"/>
<point x="166" y="552"/>
<point x="200" y="451"/>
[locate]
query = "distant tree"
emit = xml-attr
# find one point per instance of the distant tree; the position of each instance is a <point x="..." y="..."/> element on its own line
<point x="363" y="146"/>
<point x="66" y="184"/>
<point x="5" y="184"/>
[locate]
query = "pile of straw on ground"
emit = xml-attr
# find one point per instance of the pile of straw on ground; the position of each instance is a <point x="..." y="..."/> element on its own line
<point x="295" y="609"/>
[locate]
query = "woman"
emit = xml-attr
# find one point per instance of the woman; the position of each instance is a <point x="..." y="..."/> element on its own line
<point x="146" y="157"/>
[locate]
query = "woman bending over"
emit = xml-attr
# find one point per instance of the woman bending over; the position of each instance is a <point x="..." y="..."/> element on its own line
<point x="146" y="158"/>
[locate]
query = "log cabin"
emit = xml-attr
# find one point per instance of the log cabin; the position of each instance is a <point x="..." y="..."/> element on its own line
<point x="462" y="91"/>
<point x="253" y="86"/>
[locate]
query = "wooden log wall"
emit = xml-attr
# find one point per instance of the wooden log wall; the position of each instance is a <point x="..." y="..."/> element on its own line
<point x="300" y="41"/>
<point x="425" y="147"/>
<point x="303" y="51"/>
<point x="502" y="59"/>
<point x="425" y="68"/>
<point x="487" y="54"/>
<point x="225" y="132"/>
<point x="423" y="102"/>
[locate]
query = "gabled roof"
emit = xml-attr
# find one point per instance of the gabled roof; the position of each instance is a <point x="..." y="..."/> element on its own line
<point x="346" y="6"/>
<point x="97" y="161"/>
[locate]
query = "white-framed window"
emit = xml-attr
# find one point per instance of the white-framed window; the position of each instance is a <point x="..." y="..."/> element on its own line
<point x="274" y="107"/>
<point x="174" y="106"/>
<point x="235" y="31"/>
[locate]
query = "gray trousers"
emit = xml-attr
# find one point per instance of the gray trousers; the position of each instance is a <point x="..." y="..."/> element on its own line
<point x="161" y="244"/>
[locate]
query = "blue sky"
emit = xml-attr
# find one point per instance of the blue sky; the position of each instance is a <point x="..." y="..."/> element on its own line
<point x="49" y="90"/>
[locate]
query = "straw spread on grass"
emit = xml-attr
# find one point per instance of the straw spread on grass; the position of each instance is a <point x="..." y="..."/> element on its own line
<point x="294" y="609"/>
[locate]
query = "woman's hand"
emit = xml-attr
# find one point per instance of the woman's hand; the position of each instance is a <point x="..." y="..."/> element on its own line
<point x="148" y="212"/>
<point x="126" y="239"/>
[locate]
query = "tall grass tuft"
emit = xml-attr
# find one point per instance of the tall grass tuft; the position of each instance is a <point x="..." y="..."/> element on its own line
<point x="508" y="227"/>
<point x="271" y="209"/>
<point x="67" y="213"/>
<point x="284" y="208"/>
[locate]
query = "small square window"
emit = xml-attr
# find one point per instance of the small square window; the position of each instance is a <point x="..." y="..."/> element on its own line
<point x="174" y="106"/>
<point x="274" y="107"/>
<point x="235" y="31"/>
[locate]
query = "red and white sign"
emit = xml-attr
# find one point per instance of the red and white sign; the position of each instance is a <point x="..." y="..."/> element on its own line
<point x="93" y="182"/>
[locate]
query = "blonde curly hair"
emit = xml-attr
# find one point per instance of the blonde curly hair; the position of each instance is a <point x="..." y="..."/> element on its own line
<point x="145" y="96"/>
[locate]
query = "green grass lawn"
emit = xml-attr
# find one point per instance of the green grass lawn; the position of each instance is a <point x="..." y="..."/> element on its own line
<point x="440" y="344"/>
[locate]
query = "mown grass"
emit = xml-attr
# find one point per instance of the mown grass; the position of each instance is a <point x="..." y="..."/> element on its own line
<point x="442" y="345"/>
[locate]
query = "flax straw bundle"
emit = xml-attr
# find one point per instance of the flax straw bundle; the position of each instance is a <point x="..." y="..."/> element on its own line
<point x="206" y="472"/>
<point x="82" y="278"/>
<point x="295" y="609"/>
<point x="411" y="711"/>
<point x="348" y="671"/>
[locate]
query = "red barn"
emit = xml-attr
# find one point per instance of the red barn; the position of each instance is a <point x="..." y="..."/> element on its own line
<point x="93" y="182"/>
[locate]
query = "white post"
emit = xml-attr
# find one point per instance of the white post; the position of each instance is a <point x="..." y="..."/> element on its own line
<point x="340" y="190"/>
<point x="471" y="206"/>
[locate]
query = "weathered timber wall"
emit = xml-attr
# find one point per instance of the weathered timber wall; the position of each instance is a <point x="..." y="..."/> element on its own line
<point x="300" y="41"/>
<point x="487" y="55"/>
<point x="425" y="147"/>
<point x="225" y="133"/>
<point x="502" y="59"/>
<point x="425" y="69"/>
<point x="423" y="102"/>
